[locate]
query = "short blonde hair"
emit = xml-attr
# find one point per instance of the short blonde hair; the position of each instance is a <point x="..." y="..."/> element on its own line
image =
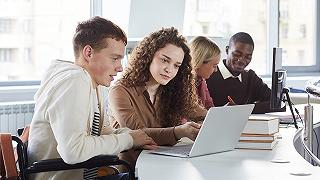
<point x="202" y="49"/>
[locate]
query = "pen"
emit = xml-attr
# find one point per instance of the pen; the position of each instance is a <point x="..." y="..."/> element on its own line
<point x="231" y="101"/>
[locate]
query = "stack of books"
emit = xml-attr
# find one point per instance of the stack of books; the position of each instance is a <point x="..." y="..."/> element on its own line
<point x="261" y="132"/>
<point x="286" y="117"/>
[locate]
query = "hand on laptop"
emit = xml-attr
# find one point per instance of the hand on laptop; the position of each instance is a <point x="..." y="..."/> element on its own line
<point x="189" y="130"/>
<point x="142" y="140"/>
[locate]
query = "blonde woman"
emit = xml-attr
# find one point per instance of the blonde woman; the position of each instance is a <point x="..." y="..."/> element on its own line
<point x="205" y="58"/>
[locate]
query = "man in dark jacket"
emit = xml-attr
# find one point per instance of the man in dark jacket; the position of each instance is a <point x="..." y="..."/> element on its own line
<point x="231" y="79"/>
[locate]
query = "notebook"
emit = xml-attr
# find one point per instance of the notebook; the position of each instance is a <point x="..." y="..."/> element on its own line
<point x="220" y="131"/>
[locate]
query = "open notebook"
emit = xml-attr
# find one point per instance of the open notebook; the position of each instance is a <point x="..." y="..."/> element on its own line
<point x="220" y="132"/>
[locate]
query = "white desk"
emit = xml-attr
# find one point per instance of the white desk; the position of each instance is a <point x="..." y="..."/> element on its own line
<point x="232" y="165"/>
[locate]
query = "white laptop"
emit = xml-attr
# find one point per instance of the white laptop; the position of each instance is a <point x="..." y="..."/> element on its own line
<point x="220" y="132"/>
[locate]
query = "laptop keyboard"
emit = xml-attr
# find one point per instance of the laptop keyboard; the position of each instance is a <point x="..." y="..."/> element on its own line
<point x="182" y="149"/>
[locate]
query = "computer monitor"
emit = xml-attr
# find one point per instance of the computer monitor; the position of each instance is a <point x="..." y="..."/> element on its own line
<point x="278" y="81"/>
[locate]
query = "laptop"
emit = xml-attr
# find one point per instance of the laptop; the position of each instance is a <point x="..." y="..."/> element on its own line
<point x="220" y="131"/>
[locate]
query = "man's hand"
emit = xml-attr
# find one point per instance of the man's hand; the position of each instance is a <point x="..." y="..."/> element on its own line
<point x="231" y="101"/>
<point x="189" y="129"/>
<point x="142" y="140"/>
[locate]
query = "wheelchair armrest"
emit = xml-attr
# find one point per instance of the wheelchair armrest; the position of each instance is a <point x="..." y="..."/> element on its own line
<point x="59" y="164"/>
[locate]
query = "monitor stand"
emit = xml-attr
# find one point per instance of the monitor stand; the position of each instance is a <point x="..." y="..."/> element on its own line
<point x="286" y="92"/>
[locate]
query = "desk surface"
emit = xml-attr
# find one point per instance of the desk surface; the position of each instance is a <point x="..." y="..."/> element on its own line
<point x="236" y="164"/>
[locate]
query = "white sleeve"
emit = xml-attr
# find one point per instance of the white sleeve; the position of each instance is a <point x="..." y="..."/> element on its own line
<point x="68" y="111"/>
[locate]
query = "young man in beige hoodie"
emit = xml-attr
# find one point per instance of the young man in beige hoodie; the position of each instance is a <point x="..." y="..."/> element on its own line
<point x="69" y="120"/>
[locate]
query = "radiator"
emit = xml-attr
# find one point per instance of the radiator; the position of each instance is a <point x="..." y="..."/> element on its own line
<point x="14" y="115"/>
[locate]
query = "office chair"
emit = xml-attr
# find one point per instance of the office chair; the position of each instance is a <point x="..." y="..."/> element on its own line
<point x="9" y="156"/>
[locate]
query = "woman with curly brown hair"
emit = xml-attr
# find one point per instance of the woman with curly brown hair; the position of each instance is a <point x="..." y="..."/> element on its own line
<point x="157" y="91"/>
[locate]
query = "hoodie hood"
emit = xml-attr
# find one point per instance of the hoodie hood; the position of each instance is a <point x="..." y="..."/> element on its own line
<point x="58" y="71"/>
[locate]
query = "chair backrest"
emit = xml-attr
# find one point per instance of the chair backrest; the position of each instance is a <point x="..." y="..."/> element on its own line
<point x="9" y="168"/>
<point x="2" y="170"/>
<point x="19" y="154"/>
<point x="9" y="155"/>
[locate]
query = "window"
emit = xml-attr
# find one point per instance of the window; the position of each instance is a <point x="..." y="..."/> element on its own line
<point x="298" y="18"/>
<point x="284" y="31"/>
<point x="205" y="28"/>
<point x="301" y="56"/>
<point x="217" y="18"/>
<point x="5" y="25"/>
<point x="27" y="26"/>
<point x="303" y="30"/>
<point x="205" y="5"/>
<point x="42" y="30"/>
<point x="35" y="32"/>
<point x="284" y="56"/>
<point x="6" y="55"/>
<point x="27" y="55"/>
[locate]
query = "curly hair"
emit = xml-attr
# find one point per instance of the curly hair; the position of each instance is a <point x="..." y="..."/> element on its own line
<point x="177" y="99"/>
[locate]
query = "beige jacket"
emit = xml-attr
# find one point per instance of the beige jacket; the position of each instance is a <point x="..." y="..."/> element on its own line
<point x="130" y="107"/>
